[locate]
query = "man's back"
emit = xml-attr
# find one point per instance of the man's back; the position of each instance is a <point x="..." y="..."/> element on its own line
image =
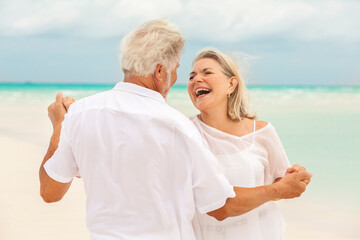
<point x="136" y="156"/>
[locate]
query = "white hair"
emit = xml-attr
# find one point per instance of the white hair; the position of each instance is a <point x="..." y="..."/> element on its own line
<point x="155" y="42"/>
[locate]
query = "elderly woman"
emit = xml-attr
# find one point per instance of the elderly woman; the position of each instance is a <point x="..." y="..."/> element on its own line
<point x="249" y="151"/>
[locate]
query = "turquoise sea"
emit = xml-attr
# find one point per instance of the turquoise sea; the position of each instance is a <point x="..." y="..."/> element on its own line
<point x="318" y="125"/>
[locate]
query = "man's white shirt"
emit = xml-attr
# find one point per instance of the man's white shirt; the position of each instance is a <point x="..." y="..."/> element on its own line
<point x="144" y="165"/>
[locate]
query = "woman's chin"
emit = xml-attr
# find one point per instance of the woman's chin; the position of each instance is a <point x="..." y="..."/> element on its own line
<point x="201" y="106"/>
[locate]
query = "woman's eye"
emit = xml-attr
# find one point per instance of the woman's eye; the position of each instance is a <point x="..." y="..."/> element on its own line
<point x="207" y="73"/>
<point x="191" y="78"/>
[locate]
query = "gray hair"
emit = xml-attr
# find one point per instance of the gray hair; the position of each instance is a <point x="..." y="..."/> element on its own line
<point x="155" y="42"/>
<point x="238" y="103"/>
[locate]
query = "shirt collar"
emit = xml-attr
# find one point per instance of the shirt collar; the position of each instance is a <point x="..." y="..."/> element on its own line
<point x="136" y="89"/>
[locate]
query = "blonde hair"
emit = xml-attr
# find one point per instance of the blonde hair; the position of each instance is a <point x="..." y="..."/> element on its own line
<point x="155" y="42"/>
<point x="238" y="102"/>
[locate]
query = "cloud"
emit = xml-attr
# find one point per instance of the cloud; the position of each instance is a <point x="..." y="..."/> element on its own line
<point x="98" y="18"/>
<point x="218" y="21"/>
<point x="229" y="20"/>
<point x="29" y="18"/>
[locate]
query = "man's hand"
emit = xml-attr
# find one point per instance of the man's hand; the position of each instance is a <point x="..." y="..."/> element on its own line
<point x="297" y="169"/>
<point x="58" y="109"/>
<point x="292" y="185"/>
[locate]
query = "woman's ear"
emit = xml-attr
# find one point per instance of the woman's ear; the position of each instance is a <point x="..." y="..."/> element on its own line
<point x="233" y="82"/>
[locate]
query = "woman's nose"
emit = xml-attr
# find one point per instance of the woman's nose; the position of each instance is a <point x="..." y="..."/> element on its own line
<point x="198" y="78"/>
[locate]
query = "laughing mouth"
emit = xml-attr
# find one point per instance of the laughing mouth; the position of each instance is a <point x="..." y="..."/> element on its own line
<point x="202" y="91"/>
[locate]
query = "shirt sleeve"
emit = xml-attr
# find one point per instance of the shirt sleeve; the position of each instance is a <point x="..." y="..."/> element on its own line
<point x="211" y="188"/>
<point x="62" y="166"/>
<point x="278" y="160"/>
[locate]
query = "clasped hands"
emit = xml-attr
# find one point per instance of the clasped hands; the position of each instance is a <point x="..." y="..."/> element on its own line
<point x="294" y="183"/>
<point x="298" y="169"/>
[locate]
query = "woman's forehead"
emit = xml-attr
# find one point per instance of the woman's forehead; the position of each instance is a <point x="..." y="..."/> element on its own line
<point x="206" y="63"/>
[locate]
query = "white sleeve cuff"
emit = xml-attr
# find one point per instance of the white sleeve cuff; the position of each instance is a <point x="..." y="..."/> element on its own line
<point x="218" y="204"/>
<point x="55" y="176"/>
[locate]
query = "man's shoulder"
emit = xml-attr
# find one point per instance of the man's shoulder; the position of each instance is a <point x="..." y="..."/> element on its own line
<point x="85" y="103"/>
<point x="142" y="108"/>
<point x="179" y="120"/>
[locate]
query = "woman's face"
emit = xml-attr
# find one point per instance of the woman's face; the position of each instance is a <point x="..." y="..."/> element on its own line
<point x="208" y="86"/>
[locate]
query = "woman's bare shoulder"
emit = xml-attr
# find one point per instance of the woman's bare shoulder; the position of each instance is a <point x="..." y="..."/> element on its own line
<point x="261" y="124"/>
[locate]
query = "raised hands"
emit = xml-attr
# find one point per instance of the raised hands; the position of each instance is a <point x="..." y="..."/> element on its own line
<point x="58" y="109"/>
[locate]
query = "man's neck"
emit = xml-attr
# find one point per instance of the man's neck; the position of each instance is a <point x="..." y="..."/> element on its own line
<point x="146" y="82"/>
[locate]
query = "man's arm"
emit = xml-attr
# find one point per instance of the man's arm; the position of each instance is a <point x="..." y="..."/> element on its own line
<point x="291" y="186"/>
<point x="51" y="190"/>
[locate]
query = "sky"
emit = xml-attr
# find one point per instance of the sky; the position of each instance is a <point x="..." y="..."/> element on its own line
<point x="278" y="42"/>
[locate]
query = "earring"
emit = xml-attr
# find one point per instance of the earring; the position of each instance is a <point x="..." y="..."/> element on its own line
<point x="228" y="95"/>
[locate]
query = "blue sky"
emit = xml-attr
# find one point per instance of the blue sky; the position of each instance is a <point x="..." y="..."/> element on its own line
<point x="278" y="41"/>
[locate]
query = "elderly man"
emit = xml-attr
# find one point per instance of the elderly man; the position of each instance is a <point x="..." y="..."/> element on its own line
<point x="144" y="165"/>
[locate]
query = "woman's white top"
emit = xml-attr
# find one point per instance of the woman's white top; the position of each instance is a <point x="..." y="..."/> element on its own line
<point x="251" y="160"/>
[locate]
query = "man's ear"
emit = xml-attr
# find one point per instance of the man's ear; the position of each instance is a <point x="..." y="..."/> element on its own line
<point x="159" y="72"/>
<point x="233" y="82"/>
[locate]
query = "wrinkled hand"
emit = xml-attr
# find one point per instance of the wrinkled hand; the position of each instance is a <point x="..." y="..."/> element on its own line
<point x="292" y="185"/>
<point x="58" y="109"/>
<point x="297" y="169"/>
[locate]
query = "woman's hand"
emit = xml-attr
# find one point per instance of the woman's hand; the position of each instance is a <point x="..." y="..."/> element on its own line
<point x="297" y="169"/>
<point x="292" y="185"/>
<point x="67" y="101"/>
